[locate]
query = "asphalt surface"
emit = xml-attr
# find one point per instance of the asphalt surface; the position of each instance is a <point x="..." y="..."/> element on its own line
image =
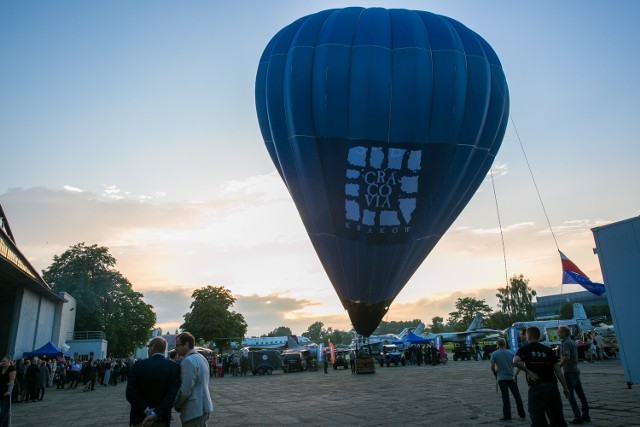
<point x="461" y="393"/>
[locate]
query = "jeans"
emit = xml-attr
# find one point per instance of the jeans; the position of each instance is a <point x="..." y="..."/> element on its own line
<point x="545" y="398"/>
<point x="575" y="387"/>
<point x="505" y="386"/>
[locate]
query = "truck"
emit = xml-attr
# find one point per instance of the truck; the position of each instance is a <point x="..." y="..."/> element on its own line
<point x="391" y="355"/>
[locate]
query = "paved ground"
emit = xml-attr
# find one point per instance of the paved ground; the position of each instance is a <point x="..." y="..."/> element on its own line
<point x="458" y="394"/>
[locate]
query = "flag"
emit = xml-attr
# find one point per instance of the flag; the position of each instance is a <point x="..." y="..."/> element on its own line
<point x="572" y="275"/>
<point x="333" y="352"/>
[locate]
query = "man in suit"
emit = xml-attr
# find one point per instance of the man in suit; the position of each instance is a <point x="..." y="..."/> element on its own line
<point x="193" y="401"/>
<point x="152" y="386"/>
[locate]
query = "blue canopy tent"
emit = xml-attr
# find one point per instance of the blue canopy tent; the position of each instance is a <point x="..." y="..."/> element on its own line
<point x="48" y="350"/>
<point x="412" y="338"/>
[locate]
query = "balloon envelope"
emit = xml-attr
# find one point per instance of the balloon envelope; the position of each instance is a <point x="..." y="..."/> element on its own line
<point x="382" y="124"/>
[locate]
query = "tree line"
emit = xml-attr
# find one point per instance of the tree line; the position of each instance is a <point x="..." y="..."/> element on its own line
<point x="106" y="302"/>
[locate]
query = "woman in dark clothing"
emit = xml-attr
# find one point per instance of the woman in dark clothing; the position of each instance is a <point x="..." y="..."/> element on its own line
<point x="86" y="373"/>
<point x="32" y="380"/>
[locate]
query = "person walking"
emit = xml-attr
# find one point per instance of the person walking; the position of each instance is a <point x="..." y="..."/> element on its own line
<point x="543" y="373"/>
<point x="501" y="364"/>
<point x="443" y="354"/>
<point x="193" y="401"/>
<point x="569" y="364"/>
<point x="152" y="387"/>
<point x="326" y="362"/>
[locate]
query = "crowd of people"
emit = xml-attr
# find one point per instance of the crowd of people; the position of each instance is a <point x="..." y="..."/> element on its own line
<point x="157" y="384"/>
<point x="594" y="346"/>
<point x="428" y="354"/>
<point x="34" y="376"/>
<point x="235" y="364"/>
<point x="27" y="380"/>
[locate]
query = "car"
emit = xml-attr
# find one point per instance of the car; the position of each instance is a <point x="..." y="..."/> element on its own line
<point x="293" y="361"/>
<point x="391" y="355"/>
<point x="341" y="359"/>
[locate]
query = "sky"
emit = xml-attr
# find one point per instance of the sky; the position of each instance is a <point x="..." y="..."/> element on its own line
<point x="132" y="125"/>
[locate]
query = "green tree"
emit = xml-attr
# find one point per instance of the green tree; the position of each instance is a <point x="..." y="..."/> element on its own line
<point x="516" y="300"/>
<point x="106" y="300"/>
<point x="500" y="320"/>
<point x="437" y="325"/>
<point x="315" y="332"/>
<point x="280" y="331"/>
<point x="395" y="326"/>
<point x="466" y="309"/>
<point x="338" y="337"/>
<point x="210" y="318"/>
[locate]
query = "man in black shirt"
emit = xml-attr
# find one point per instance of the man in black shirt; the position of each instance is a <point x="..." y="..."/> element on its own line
<point x="542" y="368"/>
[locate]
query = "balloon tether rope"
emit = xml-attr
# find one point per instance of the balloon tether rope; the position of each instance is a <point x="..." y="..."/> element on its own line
<point x="544" y="209"/>
<point x="504" y="250"/>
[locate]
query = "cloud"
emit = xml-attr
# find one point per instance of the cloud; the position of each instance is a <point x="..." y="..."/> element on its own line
<point x="72" y="189"/>
<point x="506" y="229"/>
<point x="498" y="170"/>
<point x="250" y="239"/>
<point x="263" y="313"/>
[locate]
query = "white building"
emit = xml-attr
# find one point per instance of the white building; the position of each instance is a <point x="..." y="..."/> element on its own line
<point x="31" y="313"/>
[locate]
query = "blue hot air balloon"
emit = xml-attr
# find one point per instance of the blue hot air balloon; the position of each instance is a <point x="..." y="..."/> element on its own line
<point x="382" y="124"/>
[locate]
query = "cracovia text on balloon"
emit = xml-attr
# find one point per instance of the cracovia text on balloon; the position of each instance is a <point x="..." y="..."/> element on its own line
<point x="381" y="188"/>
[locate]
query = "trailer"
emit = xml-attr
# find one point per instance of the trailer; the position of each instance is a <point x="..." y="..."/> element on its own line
<point x="262" y="362"/>
<point x="618" y="249"/>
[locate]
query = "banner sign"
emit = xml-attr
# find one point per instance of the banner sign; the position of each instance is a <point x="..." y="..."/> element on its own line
<point x="512" y="338"/>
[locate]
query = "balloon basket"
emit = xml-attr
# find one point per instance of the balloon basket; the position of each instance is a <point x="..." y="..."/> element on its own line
<point x="365" y="365"/>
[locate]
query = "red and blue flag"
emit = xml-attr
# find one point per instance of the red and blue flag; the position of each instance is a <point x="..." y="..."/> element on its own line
<point x="572" y="275"/>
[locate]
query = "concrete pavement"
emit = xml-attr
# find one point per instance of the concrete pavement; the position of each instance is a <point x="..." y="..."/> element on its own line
<point x="460" y="393"/>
